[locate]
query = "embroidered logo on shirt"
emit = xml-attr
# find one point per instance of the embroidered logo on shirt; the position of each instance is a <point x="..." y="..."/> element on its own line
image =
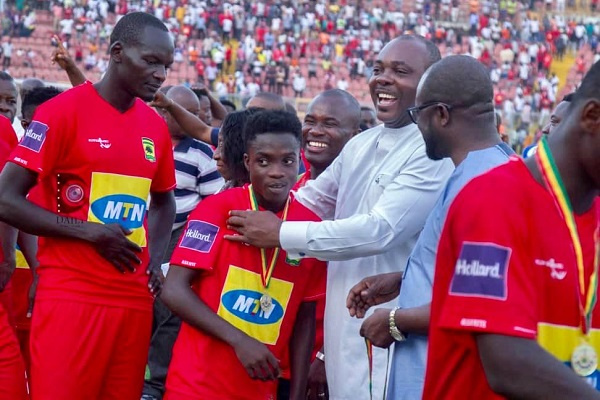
<point x="35" y="135"/>
<point x="481" y="271"/>
<point x="148" y="145"/>
<point x="104" y="144"/>
<point x="199" y="236"/>
<point x="557" y="270"/>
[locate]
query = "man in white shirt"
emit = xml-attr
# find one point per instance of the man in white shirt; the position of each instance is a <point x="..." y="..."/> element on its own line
<point x="373" y="199"/>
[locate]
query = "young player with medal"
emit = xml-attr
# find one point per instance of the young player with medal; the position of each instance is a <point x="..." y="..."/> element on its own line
<point x="244" y="308"/>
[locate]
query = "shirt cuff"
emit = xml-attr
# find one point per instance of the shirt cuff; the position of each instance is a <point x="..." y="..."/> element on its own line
<point x="292" y="237"/>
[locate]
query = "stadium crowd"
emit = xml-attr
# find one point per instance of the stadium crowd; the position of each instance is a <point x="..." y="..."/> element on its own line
<point x="300" y="249"/>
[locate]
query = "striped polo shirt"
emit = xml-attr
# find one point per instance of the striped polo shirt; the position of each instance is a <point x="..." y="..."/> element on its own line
<point x="196" y="175"/>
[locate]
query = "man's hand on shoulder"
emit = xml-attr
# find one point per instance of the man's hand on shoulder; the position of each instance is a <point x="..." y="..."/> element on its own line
<point x="257" y="228"/>
<point x="111" y="243"/>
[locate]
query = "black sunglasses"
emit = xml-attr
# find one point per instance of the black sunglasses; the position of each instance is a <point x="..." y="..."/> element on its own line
<point x="413" y="112"/>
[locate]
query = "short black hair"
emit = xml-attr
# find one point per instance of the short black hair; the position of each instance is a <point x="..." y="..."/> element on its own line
<point x="5" y="76"/>
<point x="131" y="27"/>
<point x="590" y="86"/>
<point x="233" y="148"/>
<point x="39" y="95"/>
<point x="227" y="103"/>
<point x="458" y="80"/>
<point x="433" y="52"/>
<point x="271" y="121"/>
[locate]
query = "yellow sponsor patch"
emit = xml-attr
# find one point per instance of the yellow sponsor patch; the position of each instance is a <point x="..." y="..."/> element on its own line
<point x="240" y="304"/>
<point x="120" y="199"/>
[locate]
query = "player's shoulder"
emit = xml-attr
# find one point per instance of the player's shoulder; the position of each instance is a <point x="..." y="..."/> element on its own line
<point x="502" y="185"/>
<point x="223" y="202"/>
<point x="75" y="96"/>
<point x="299" y="212"/>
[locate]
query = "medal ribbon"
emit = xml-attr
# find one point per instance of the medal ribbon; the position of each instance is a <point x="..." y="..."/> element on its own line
<point x="557" y="189"/>
<point x="267" y="272"/>
<point x="370" y="358"/>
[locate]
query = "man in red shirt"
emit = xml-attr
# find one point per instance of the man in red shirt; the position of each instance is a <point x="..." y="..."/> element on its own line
<point x="12" y="368"/>
<point x="97" y="153"/>
<point x="513" y="298"/>
<point x="243" y="308"/>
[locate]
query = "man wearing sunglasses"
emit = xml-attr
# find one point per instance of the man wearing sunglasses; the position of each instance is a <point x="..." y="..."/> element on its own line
<point x="455" y="113"/>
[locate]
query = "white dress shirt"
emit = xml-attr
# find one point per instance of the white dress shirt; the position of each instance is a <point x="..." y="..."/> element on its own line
<point x="374" y="200"/>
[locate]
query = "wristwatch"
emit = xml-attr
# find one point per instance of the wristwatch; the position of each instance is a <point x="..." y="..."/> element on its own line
<point x="394" y="331"/>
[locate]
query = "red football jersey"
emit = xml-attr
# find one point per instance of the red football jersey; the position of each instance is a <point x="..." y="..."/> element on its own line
<point x="7" y="133"/>
<point x="99" y="165"/>
<point x="204" y="367"/>
<point x="505" y="265"/>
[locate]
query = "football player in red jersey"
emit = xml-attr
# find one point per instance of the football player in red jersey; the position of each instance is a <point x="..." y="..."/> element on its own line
<point x="243" y="307"/>
<point x="97" y="152"/>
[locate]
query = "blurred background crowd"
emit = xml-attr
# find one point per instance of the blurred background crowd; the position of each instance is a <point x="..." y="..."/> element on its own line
<point x="536" y="51"/>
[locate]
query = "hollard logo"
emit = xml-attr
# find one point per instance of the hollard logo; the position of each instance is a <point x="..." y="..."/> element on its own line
<point x="128" y="211"/>
<point x="245" y="304"/>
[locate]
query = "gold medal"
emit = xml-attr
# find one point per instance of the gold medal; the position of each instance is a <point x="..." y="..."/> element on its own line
<point x="584" y="360"/>
<point x="266" y="302"/>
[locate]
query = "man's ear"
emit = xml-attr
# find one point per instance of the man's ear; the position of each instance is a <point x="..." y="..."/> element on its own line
<point x="116" y="52"/>
<point x="247" y="162"/>
<point x="590" y="116"/>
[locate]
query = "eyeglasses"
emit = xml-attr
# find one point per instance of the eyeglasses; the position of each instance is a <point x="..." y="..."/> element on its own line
<point x="413" y="112"/>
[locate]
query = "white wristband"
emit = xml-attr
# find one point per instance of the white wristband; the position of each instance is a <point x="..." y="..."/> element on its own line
<point x="320" y="356"/>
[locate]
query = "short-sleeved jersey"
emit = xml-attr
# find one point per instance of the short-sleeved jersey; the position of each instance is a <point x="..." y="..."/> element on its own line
<point x="505" y="265"/>
<point x="230" y="284"/>
<point x="7" y="133"/>
<point x="99" y="165"/>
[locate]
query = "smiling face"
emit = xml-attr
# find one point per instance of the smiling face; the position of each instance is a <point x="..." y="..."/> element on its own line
<point x="272" y="162"/>
<point x="143" y="66"/>
<point x="396" y="74"/>
<point x="327" y="126"/>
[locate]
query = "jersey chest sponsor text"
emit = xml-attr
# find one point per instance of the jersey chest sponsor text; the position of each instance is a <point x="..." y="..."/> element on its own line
<point x="126" y="210"/>
<point x="240" y="304"/>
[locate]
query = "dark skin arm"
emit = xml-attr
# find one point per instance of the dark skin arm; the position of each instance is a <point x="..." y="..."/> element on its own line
<point x="317" y="380"/>
<point x="191" y="124"/>
<point x="161" y="215"/>
<point x="519" y="368"/>
<point x="301" y="344"/>
<point x="376" y="328"/>
<point x="29" y="246"/>
<point x="64" y="60"/>
<point x="110" y="241"/>
<point x="8" y="240"/>
<point x="177" y="294"/>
